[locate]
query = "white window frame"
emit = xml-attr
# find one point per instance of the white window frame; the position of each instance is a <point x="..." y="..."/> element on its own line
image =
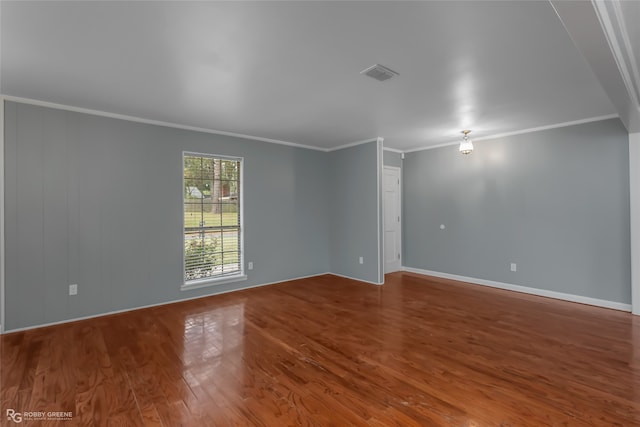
<point x="213" y="281"/>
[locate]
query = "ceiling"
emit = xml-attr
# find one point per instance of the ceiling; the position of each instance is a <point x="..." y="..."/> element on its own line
<point x="290" y="71"/>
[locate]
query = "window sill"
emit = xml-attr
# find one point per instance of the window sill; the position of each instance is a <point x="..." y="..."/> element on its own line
<point x="197" y="284"/>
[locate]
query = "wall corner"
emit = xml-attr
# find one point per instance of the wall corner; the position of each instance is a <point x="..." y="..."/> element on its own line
<point x="634" y="218"/>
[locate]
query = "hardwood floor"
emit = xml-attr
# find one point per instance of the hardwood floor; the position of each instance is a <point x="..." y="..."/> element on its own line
<point x="331" y="351"/>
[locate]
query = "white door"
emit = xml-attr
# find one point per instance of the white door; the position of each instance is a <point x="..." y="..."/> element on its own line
<point x="391" y="219"/>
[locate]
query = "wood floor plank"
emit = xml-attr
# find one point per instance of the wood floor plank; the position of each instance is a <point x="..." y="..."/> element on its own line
<point x="330" y="351"/>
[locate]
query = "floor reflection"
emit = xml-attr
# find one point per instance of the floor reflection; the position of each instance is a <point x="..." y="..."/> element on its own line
<point x="213" y="349"/>
<point x="331" y="351"/>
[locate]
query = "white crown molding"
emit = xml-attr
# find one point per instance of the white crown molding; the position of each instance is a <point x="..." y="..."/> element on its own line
<point x="525" y="289"/>
<point x="280" y="142"/>
<point x="521" y="132"/>
<point x="351" y="144"/>
<point x="178" y="126"/>
<point x="153" y="122"/>
<point x="611" y="19"/>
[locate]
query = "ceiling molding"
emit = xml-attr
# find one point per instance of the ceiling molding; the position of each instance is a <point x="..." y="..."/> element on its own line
<point x="597" y="28"/>
<point x="351" y="144"/>
<point x="521" y="132"/>
<point x="274" y="141"/>
<point x="152" y="122"/>
<point x="453" y="78"/>
<point x="612" y="20"/>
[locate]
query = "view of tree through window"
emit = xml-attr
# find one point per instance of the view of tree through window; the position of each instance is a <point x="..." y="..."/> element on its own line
<point x="212" y="239"/>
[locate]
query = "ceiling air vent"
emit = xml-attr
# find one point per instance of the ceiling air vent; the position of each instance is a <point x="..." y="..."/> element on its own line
<point x="379" y="72"/>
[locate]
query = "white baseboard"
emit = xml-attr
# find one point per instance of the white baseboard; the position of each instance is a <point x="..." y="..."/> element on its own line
<point x="92" y="316"/>
<point x="524" y="289"/>
<point x="355" y="278"/>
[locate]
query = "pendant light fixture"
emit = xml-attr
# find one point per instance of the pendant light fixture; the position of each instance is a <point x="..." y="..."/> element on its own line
<point x="466" y="146"/>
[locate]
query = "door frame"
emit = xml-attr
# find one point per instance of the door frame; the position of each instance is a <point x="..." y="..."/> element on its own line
<point x="399" y="172"/>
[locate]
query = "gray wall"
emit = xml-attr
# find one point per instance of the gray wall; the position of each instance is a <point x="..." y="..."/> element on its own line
<point x="555" y="202"/>
<point x="98" y="202"/>
<point x="355" y="209"/>
<point x="391" y="158"/>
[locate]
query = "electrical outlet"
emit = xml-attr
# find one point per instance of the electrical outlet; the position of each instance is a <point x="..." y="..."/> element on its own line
<point x="361" y="260"/>
<point x="73" y="289"/>
<point x="514" y="267"/>
<point x="250" y="265"/>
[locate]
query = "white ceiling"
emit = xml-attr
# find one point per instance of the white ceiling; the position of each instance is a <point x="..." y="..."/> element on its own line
<point x="289" y="71"/>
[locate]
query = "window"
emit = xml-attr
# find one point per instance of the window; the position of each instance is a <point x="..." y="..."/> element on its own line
<point x="212" y="220"/>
